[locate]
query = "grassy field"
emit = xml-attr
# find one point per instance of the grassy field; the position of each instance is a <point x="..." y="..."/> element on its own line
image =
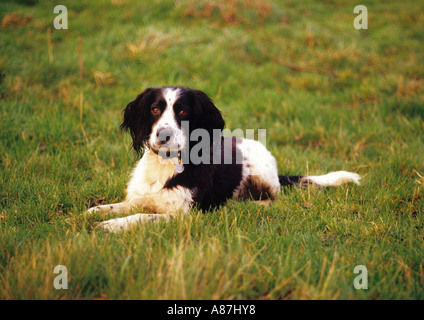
<point x="330" y="97"/>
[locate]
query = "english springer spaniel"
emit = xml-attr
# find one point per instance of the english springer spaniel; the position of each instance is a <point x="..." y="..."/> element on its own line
<point x="175" y="174"/>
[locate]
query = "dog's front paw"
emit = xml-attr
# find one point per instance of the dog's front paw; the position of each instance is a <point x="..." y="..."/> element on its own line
<point x="92" y="210"/>
<point x="114" y="226"/>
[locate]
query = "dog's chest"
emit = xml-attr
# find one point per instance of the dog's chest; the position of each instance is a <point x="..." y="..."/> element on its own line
<point x="151" y="174"/>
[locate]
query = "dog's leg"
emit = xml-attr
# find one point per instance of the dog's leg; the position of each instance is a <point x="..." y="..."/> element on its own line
<point x="166" y="203"/>
<point x="125" y="223"/>
<point x="114" y="208"/>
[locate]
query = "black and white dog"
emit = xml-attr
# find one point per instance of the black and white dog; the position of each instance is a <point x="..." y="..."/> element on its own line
<point x="163" y="184"/>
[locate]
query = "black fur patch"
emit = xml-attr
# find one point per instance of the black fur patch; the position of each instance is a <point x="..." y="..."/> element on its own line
<point x="290" y="180"/>
<point x="211" y="184"/>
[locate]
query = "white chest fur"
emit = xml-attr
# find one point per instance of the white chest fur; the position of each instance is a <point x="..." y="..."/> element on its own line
<point x="150" y="175"/>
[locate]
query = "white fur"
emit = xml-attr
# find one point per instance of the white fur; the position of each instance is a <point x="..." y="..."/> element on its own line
<point x="149" y="175"/>
<point x="125" y="223"/>
<point x="145" y="188"/>
<point x="335" y="178"/>
<point x="259" y="166"/>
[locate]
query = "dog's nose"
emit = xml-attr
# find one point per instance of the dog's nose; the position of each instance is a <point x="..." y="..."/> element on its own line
<point x="164" y="134"/>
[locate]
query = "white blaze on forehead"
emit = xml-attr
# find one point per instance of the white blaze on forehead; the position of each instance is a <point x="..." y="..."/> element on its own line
<point x="170" y="96"/>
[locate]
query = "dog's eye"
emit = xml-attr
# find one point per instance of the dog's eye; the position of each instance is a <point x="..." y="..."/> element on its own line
<point x="156" y="110"/>
<point x="183" y="113"/>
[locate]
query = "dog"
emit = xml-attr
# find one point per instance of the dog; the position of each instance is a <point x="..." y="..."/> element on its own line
<point x="229" y="167"/>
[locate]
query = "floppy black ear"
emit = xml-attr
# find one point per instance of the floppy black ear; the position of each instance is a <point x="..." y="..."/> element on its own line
<point x="206" y="115"/>
<point x="138" y="120"/>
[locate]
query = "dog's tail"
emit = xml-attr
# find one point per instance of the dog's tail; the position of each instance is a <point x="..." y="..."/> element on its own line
<point x="331" y="179"/>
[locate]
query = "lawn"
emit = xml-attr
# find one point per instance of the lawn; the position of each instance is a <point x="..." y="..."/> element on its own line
<point x="329" y="96"/>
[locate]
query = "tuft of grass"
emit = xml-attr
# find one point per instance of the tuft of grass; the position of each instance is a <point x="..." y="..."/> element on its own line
<point x="330" y="98"/>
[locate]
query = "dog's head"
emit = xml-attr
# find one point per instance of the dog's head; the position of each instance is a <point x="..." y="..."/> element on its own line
<point x="154" y="119"/>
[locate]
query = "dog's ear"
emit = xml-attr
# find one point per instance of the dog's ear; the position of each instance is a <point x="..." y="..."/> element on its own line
<point x="138" y="120"/>
<point x="206" y="115"/>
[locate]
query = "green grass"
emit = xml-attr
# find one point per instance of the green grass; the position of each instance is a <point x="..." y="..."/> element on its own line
<point x="61" y="148"/>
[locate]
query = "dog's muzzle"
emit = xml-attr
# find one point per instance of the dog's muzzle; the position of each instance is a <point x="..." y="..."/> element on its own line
<point x="166" y="143"/>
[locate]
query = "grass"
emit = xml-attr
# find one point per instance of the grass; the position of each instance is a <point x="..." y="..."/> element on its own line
<point x="356" y="104"/>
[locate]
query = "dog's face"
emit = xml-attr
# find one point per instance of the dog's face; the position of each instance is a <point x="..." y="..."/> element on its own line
<point x="155" y="118"/>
